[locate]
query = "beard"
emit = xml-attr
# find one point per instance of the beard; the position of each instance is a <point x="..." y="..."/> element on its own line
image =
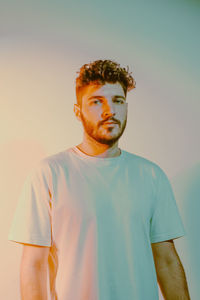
<point x="106" y="135"/>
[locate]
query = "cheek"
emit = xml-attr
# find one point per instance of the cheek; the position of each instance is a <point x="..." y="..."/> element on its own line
<point x="94" y="113"/>
<point x="91" y="115"/>
<point x="122" y="112"/>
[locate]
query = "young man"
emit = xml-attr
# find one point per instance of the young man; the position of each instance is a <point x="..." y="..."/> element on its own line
<point x="100" y="221"/>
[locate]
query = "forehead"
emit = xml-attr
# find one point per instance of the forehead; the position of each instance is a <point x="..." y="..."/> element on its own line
<point x="108" y="89"/>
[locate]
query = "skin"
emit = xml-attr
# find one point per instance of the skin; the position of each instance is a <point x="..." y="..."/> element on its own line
<point x="101" y="103"/>
<point x="170" y="272"/>
<point x="33" y="272"/>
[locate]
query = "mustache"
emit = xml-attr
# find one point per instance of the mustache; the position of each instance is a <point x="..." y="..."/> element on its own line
<point x="110" y="120"/>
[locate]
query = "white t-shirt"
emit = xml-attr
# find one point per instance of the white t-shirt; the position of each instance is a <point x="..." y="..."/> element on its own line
<point x="100" y="216"/>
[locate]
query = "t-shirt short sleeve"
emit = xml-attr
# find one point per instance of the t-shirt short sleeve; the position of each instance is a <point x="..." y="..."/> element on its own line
<point x="32" y="219"/>
<point x="166" y="222"/>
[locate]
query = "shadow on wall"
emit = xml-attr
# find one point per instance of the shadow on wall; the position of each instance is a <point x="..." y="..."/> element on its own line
<point x="186" y="188"/>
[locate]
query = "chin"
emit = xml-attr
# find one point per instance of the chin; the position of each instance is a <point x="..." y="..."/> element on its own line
<point x="107" y="141"/>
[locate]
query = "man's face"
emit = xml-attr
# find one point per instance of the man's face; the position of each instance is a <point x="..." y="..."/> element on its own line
<point x="100" y="104"/>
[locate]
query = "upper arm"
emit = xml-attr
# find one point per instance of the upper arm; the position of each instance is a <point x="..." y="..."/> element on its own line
<point x="164" y="252"/>
<point x="34" y="255"/>
<point x="165" y="222"/>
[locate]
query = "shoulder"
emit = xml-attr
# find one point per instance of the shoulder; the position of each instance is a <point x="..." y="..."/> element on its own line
<point x="143" y="165"/>
<point x="49" y="165"/>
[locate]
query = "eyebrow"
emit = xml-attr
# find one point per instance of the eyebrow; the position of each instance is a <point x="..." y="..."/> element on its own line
<point x="96" y="96"/>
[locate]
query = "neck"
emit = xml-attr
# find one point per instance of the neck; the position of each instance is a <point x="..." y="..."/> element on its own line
<point x="93" y="148"/>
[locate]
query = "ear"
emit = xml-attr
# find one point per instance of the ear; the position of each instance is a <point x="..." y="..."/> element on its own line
<point x="77" y="111"/>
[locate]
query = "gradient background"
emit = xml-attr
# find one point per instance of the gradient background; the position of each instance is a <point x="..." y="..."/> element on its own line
<point x="42" y="46"/>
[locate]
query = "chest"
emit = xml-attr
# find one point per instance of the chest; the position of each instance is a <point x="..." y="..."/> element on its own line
<point x="109" y="196"/>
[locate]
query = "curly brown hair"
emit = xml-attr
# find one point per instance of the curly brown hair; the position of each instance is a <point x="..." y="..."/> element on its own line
<point x="102" y="71"/>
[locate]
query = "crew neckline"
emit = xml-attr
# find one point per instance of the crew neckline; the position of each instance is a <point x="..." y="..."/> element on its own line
<point x="91" y="158"/>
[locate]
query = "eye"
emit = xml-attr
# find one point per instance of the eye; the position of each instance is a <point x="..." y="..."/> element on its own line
<point x="96" y="101"/>
<point x="119" y="101"/>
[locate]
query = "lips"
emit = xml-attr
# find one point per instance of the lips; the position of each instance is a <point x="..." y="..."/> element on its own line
<point x="109" y="122"/>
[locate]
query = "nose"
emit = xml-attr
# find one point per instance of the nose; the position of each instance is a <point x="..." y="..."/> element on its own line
<point x="108" y="110"/>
